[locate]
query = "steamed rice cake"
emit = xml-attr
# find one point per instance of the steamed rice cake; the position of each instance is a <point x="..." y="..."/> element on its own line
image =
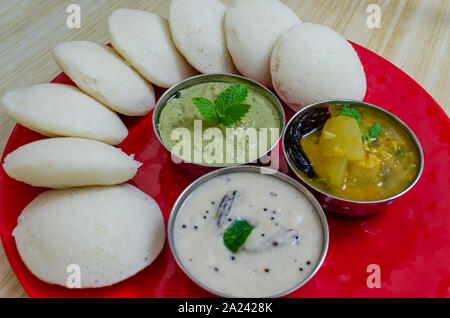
<point x="251" y="28"/>
<point x="101" y="73"/>
<point x="63" y="110"/>
<point x="311" y="63"/>
<point x="197" y="30"/>
<point x="144" y="40"/>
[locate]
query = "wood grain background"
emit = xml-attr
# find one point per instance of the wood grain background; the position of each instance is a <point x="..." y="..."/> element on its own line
<point x="414" y="35"/>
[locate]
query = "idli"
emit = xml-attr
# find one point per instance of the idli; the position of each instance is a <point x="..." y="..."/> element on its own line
<point x="197" y="30"/>
<point x="251" y="28"/>
<point x="69" y="162"/>
<point x="109" y="233"/>
<point x="312" y="63"/>
<point x="101" y="73"/>
<point x="63" y="110"/>
<point x="144" y="40"/>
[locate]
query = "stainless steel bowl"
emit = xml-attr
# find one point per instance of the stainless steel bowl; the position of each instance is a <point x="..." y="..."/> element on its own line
<point x="184" y="196"/>
<point x="344" y="206"/>
<point x="198" y="169"/>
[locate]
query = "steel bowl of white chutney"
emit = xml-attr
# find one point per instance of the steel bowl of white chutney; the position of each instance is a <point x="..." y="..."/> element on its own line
<point x="248" y="231"/>
<point x="176" y="114"/>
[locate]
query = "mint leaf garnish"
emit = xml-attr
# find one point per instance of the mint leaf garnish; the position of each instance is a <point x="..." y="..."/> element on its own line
<point x="228" y="108"/>
<point x="236" y="235"/>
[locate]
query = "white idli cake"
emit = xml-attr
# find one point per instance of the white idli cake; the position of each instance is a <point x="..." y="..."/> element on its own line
<point x="69" y="162"/>
<point x="100" y="72"/>
<point x="311" y="63"/>
<point x="144" y="40"/>
<point x="251" y="28"/>
<point x="111" y="233"/>
<point x="197" y="30"/>
<point x="63" y="110"/>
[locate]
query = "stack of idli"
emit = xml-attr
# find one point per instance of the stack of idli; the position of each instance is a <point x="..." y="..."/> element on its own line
<point x="110" y="232"/>
<point x="312" y="63"/>
<point x="92" y="220"/>
<point x="109" y="229"/>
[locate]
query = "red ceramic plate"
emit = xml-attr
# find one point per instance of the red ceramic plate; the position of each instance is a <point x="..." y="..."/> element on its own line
<point x="410" y="241"/>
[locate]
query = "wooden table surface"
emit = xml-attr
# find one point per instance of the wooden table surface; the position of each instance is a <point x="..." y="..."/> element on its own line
<point x="413" y="34"/>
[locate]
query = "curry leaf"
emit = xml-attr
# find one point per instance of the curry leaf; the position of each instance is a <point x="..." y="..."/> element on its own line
<point x="351" y="112"/>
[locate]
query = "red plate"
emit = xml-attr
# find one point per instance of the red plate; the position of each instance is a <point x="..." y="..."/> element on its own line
<point x="410" y="241"/>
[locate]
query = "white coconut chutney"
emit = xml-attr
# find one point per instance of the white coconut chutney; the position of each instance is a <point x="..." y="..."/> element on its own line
<point x="282" y="250"/>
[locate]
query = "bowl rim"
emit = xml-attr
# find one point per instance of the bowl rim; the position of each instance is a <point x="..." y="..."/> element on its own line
<point x="202" y="78"/>
<point x="185" y="195"/>
<point x="397" y="120"/>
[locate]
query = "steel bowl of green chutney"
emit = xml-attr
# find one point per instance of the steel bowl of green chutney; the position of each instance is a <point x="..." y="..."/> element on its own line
<point x="212" y="121"/>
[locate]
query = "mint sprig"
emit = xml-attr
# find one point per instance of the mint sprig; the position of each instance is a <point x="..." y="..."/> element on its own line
<point x="236" y="235"/>
<point x="227" y="109"/>
<point x="352" y="112"/>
